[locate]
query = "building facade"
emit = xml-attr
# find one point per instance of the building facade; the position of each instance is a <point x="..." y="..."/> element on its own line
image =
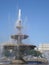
<point x="44" y="49"/>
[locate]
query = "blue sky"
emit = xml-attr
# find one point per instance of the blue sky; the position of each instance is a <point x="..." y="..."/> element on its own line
<point x="35" y="19"/>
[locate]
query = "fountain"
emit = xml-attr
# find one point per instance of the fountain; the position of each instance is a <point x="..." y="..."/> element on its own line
<point x="19" y="48"/>
<point x="18" y="53"/>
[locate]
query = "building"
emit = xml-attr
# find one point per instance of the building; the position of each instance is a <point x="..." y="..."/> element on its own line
<point x="43" y="47"/>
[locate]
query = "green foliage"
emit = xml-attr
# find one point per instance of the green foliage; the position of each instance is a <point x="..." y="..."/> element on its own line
<point x="6" y="53"/>
<point x="35" y="53"/>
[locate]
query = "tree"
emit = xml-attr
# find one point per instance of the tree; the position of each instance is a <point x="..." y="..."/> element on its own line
<point x="35" y="53"/>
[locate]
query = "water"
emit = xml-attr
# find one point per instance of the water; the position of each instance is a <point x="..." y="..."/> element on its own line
<point x="8" y="63"/>
<point x="22" y="64"/>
